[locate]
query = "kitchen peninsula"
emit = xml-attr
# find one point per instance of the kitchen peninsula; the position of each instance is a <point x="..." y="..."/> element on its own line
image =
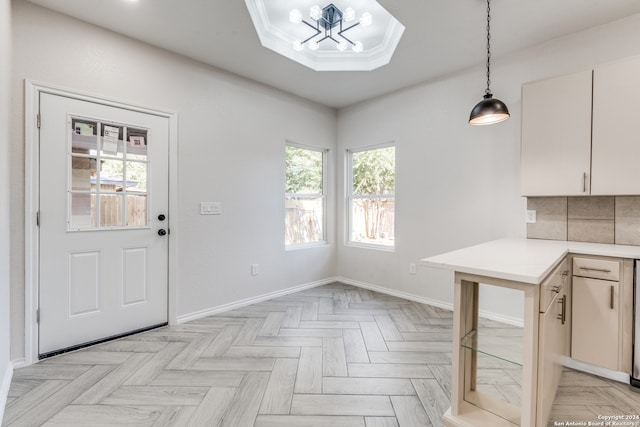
<point x="542" y="271"/>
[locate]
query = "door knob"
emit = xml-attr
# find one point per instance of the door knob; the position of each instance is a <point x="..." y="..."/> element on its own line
<point x="161" y="217"/>
<point x="162" y="232"/>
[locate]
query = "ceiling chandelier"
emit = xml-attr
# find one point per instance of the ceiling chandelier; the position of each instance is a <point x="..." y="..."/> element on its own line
<point x="328" y="25"/>
<point x="489" y="110"/>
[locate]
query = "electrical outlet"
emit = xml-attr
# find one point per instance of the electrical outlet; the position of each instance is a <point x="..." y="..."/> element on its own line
<point x="531" y="216"/>
<point x="255" y="269"/>
<point x="412" y="268"/>
<point x="210" y="208"/>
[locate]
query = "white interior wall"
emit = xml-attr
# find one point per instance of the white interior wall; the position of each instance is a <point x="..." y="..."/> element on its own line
<point x="231" y="142"/>
<point x="5" y="70"/>
<point x="459" y="185"/>
<point x="456" y="185"/>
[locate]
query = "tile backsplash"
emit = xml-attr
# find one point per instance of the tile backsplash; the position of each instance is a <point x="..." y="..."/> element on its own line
<point x="606" y="219"/>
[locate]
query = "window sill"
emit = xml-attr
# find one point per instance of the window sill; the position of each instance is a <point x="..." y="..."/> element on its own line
<point x="374" y="247"/>
<point x="288" y="248"/>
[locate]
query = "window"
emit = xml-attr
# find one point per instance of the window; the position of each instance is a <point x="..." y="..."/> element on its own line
<point x="107" y="180"/>
<point x="304" y="195"/>
<point x="372" y="182"/>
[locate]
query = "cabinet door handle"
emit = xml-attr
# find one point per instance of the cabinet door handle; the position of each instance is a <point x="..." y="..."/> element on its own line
<point x="612" y="295"/>
<point x="601" y="270"/>
<point x="563" y="315"/>
<point x="584" y="182"/>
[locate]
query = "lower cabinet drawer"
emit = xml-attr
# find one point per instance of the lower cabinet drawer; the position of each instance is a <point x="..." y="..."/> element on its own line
<point x="597" y="268"/>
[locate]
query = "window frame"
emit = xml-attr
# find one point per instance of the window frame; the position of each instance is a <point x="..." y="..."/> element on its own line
<point x="350" y="197"/>
<point x="322" y="196"/>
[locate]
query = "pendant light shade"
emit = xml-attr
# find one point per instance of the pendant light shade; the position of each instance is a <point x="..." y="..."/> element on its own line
<point x="489" y="110"/>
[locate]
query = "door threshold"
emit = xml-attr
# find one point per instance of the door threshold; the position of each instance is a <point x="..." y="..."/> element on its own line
<point x="98" y="341"/>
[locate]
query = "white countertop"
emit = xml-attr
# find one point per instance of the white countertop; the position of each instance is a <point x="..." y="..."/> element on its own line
<point x="520" y="259"/>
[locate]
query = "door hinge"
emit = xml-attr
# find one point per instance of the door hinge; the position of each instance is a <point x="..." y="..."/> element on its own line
<point x="38" y="120"/>
<point x="37" y="315"/>
<point x="38" y="219"/>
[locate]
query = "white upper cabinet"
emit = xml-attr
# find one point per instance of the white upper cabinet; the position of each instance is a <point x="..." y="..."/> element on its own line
<point x="581" y="133"/>
<point x="556" y="136"/>
<point x="616" y="129"/>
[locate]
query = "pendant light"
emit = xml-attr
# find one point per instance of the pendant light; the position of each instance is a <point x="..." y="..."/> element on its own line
<point x="489" y="110"/>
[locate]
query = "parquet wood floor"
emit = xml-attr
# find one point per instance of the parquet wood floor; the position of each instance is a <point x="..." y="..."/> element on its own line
<point x="335" y="355"/>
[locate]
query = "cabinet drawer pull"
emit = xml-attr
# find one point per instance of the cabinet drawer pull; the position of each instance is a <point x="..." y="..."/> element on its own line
<point x="563" y="316"/>
<point x="612" y="295"/>
<point x="601" y="270"/>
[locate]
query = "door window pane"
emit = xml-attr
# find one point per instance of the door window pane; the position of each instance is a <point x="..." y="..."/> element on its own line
<point x="112" y="140"/>
<point x="136" y="177"/>
<point x="111" y="176"/>
<point x="84" y="137"/>
<point x="136" y="210"/>
<point x="111" y="210"/>
<point x="137" y="144"/>
<point x="82" y="211"/>
<point x="108" y="178"/>
<point x="83" y="173"/>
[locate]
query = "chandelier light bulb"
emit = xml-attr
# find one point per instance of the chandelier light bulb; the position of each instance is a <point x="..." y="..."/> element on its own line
<point x="297" y="45"/>
<point x="316" y="12"/>
<point x="342" y="45"/>
<point x="349" y="14"/>
<point x="295" y="16"/>
<point x="313" y="45"/>
<point x="357" y="47"/>
<point x="366" y="19"/>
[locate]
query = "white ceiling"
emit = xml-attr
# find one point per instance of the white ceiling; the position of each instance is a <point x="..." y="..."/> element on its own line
<point x="441" y="36"/>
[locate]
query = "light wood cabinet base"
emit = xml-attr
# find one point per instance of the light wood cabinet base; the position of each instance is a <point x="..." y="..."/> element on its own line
<point x="472" y="416"/>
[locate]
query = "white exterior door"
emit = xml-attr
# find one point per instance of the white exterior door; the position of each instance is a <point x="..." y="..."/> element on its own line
<point x="103" y="222"/>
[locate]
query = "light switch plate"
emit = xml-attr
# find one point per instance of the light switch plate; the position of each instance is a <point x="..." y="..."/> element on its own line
<point x="210" y="208"/>
<point x="531" y="216"/>
<point x="412" y="268"/>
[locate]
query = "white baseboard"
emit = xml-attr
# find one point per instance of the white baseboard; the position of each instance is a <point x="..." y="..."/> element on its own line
<point x="248" y="301"/>
<point x="597" y="370"/>
<point x="514" y="321"/>
<point x="395" y="293"/>
<point x="4" y="388"/>
<point x="411" y="297"/>
<point x="19" y="363"/>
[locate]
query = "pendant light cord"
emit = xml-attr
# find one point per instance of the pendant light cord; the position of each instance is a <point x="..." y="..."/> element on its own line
<point x="488" y="91"/>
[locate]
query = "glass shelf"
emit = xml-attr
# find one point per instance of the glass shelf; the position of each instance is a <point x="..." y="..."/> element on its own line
<point x="506" y="348"/>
